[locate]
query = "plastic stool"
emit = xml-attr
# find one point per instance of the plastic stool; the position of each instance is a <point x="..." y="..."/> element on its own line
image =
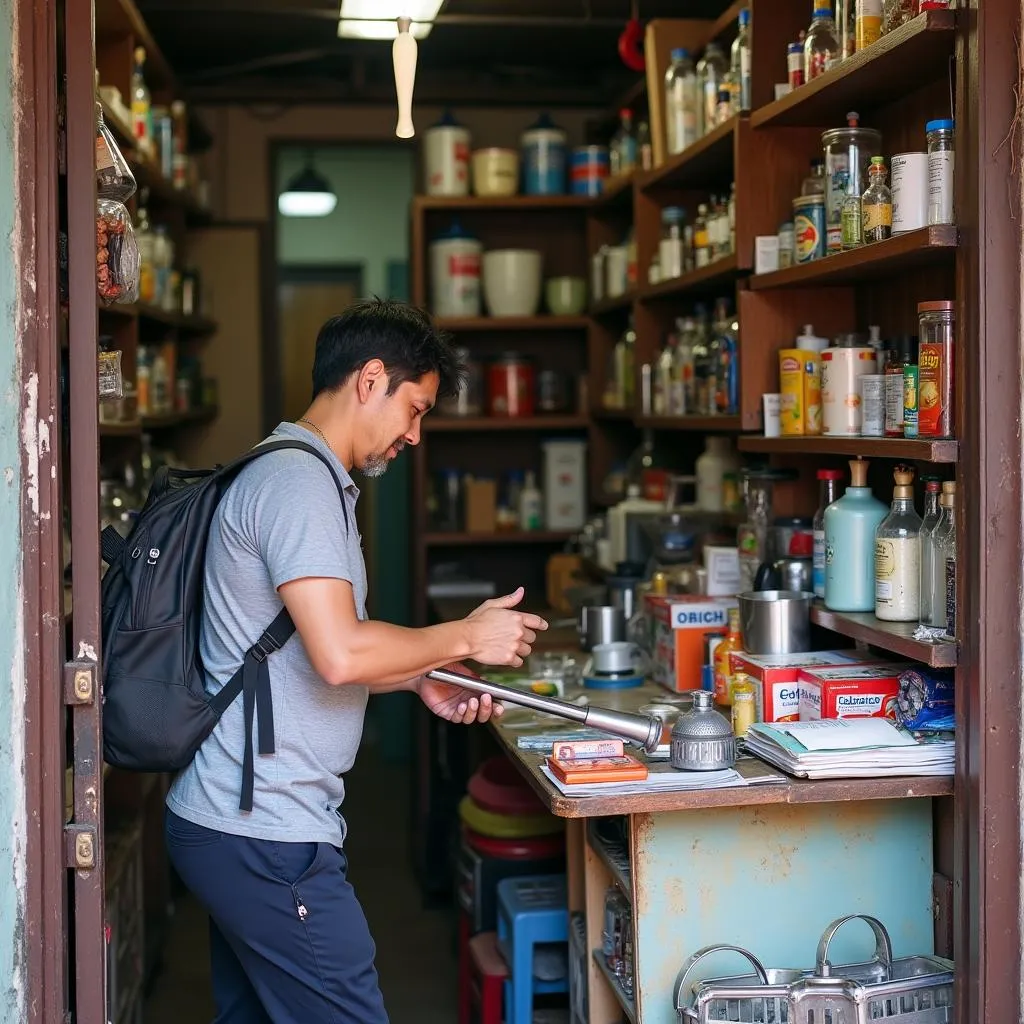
<point x="531" y="910"/>
<point x="488" y="974"/>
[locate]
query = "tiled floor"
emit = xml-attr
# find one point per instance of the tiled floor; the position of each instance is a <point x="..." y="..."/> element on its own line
<point x="415" y="947"/>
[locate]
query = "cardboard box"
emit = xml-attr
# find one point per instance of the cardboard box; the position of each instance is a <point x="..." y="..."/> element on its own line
<point x="800" y="388"/>
<point x="679" y="626"/>
<point x="776" y="679"/>
<point x="481" y="501"/>
<point x="723" y="567"/>
<point x="854" y="691"/>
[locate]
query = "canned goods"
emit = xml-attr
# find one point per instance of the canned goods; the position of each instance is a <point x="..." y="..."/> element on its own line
<point x="510" y="387"/>
<point x="808" y="228"/>
<point x="873" y="405"/>
<point x="590" y="167"/>
<point x="543" y="158"/>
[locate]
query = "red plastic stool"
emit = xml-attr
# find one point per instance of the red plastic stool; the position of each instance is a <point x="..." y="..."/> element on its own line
<point x="488" y="974"/>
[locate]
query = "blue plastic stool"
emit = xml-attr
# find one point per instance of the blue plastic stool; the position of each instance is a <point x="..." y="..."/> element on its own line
<point x="531" y="910"/>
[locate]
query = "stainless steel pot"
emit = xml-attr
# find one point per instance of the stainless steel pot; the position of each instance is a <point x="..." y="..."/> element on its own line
<point x="601" y="624"/>
<point x="775" y="621"/>
<point x="793" y="572"/>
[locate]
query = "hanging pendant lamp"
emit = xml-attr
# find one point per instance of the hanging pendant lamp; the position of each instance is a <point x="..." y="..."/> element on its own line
<point x="308" y="194"/>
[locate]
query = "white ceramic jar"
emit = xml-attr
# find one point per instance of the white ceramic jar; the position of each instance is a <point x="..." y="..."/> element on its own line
<point x="455" y="260"/>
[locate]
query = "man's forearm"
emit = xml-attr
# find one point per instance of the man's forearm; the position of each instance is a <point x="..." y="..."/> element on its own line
<point x="386" y="657"/>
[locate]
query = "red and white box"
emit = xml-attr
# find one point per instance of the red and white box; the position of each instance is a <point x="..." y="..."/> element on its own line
<point x="776" y="678"/>
<point x="679" y="626"/>
<point x="856" y="691"/>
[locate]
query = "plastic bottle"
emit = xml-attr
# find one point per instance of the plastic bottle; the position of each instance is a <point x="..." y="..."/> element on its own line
<point x="740" y="61"/>
<point x="850" y="525"/>
<point x="682" y="102"/>
<point x="622" y="154"/>
<point x="530" y="504"/>
<point x="711" y="71"/>
<point x="717" y="460"/>
<point x="821" y="46"/>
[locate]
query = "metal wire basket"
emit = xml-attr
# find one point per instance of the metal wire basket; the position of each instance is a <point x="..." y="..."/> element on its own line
<point x="906" y="990"/>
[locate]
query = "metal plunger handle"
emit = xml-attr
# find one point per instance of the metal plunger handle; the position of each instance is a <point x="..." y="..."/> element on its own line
<point x="641" y="729"/>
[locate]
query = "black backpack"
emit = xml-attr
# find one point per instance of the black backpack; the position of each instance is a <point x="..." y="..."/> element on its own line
<point x="156" y="711"/>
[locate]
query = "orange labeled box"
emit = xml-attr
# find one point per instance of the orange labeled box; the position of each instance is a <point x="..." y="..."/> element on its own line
<point x="854" y="691"/>
<point x="680" y="625"/>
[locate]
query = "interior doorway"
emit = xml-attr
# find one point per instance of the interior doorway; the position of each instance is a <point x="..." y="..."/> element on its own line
<point x="308" y="296"/>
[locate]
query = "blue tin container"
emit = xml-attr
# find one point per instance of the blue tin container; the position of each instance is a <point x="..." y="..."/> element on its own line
<point x="810" y="236"/>
<point x="590" y="166"/>
<point x="543" y="150"/>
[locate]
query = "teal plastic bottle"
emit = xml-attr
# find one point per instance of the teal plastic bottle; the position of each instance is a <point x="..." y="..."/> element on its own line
<point x="850" y="525"/>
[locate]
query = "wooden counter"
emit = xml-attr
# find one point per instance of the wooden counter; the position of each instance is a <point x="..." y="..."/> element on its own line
<point x="795" y="791"/>
<point x="802" y="853"/>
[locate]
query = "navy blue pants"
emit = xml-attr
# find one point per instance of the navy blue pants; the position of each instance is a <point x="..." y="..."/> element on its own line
<point x="289" y="943"/>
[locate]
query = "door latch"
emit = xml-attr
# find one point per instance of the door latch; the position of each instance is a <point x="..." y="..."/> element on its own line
<point x="79" y="682"/>
<point x="79" y="847"/>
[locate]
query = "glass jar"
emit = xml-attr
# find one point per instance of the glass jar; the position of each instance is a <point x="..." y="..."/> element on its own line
<point x="821" y="45"/>
<point x="935" y="355"/>
<point x="469" y="400"/>
<point x="939" y="136"/>
<point x="898" y="12"/>
<point x="670" y="248"/>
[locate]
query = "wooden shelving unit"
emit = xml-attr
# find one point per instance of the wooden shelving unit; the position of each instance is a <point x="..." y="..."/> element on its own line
<point x="922" y="450"/>
<point x="486" y="324"/>
<point x="627" y="1004"/>
<point x="703" y="424"/>
<point x="897" y="637"/>
<point x="892" y="67"/>
<point x="711" y="158"/>
<point x="719" y="274"/>
<point x="897" y="255"/>
<point x="613" y="304"/>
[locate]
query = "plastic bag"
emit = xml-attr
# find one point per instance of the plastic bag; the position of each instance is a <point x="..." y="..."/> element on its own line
<point x="117" y="254"/>
<point x="114" y="179"/>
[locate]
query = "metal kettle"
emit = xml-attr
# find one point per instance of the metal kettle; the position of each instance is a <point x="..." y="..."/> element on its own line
<point x="702" y="739"/>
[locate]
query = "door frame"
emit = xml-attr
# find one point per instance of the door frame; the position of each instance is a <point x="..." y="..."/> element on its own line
<point x="295" y="273"/>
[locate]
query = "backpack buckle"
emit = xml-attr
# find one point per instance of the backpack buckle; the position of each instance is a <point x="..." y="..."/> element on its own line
<point x="264" y="647"/>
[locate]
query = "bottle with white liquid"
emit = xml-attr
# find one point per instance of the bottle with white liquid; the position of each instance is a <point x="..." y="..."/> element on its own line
<point x="898" y="555"/>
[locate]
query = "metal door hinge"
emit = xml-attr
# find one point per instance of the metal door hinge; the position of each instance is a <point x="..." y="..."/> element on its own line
<point x="80" y="847"/>
<point x="79" y="682"/>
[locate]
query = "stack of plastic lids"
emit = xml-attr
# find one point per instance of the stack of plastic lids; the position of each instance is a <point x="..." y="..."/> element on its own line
<point x="501" y="805"/>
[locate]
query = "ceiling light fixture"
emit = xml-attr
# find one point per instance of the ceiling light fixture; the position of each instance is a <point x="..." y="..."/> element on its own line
<point x="378" y="19"/>
<point x="308" y="194"/>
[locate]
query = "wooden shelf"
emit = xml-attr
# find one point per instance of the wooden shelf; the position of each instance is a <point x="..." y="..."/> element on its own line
<point x="612" y="414"/>
<point x="708" y="424"/>
<point x="163" y="193"/>
<point x="708" y="162"/>
<point x="921" y="248"/>
<point x="721" y="272"/>
<point x="620" y="874"/>
<point x="453" y="424"/>
<point x="165" y="421"/>
<point x="516" y="202"/>
<point x="482" y="324"/>
<point x="614" y="304"/>
<point x="897" y="637"/>
<point x="627" y="1004"/>
<point x="894" y="66"/>
<point x="921" y="450"/>
<point x="617" y="191"/>
<point x="441" y="540"/>
<point x="185" y="323"/>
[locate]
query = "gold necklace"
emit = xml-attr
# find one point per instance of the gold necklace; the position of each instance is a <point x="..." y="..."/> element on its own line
<point x="317" y="430"/>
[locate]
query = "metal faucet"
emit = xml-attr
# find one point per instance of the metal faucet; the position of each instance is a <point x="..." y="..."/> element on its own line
<point x="640" y="729"/>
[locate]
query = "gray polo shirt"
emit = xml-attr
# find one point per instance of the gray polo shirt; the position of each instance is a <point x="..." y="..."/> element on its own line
<point x="280" y="520"/>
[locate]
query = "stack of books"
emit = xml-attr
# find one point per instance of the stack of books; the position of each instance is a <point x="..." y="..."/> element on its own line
<point x="850" y="748"/>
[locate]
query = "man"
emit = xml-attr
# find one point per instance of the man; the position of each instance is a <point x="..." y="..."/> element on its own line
<point x="289" y="942"/>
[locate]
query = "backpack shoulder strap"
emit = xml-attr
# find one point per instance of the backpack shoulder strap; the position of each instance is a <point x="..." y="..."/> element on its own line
<point x="252" y="679"/>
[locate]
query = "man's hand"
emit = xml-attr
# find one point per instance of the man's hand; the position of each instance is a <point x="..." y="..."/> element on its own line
<point x="501" y="636"/>
<point x="453" y="703"/>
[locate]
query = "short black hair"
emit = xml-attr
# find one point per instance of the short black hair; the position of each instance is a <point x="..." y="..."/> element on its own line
<point x="401" y="336"/>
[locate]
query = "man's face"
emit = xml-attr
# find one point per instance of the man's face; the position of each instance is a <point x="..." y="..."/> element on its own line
<point x="392" y="422"/>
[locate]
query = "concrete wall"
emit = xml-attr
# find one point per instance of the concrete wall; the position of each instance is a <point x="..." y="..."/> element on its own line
<point x="12" y="668"/>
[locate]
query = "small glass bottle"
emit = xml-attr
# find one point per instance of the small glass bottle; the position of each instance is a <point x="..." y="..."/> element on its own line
<point x="876" y="204"/>
<point x="829" y="492"/>
<point x="821" y="45"/>
<point x="671" y="259"/>
<point x="814" y="183"/>
<point x="711" y="71"/>
<point x="731" y="215"/>
<point x="645" y="152"/>
<point x="142" y="116"/>
<point x="939" y="136"/>
<point x="898" y="555"/>
<point x="932" y="490"/>
<point x="744" y="704"/>
<point x="701" y="248"/>
<point x="664" y="372"/>
<point x="869" y="22"/>
<point x="625" y="368"/>
<point x="723" y="110"/>
<point x="947" y="556"/>
<point x="851" y="221"/>
<point x="740" y="62"/>
<point x="683" y="397"/>
<point x="622" y="154"/>
<point x="723" y="662"/>
<point x="682" y="102"/>
<point x="940" y="540"/>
